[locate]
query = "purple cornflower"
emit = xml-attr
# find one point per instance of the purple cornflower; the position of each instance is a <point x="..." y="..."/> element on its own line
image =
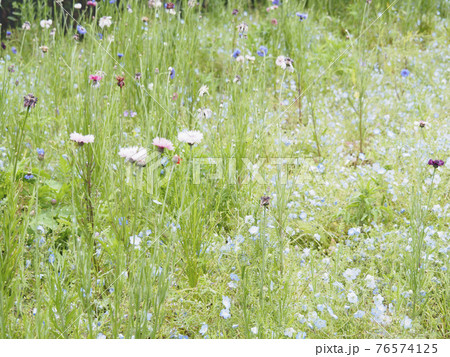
<point x="236" y="53"/>
<point x="3" y="46"/>
<point x="404" y="73"/>
<point x="302" y="16"/>
<point x="81" y="30"/>
<point x="436" y="163"/>
<point x="262" y="51"/>
<point x="120" y="55"/>
<point x="235" y="12"/>
<point x="41" y="154"/>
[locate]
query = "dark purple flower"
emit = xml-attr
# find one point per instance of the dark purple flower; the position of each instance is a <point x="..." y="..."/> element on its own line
<point x="236" y="53"/>
<point x="29" y="101"/>
<point x="265" y="201"/>
<point x="235" y="12"/>
<point x="169" y="5"/>
<point x="404" y="73"/>
<point x="3" y="46"/>
<point x="436" y="163"/>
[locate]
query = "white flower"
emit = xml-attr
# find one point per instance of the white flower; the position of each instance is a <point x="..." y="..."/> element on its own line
<point x="45" y="24"/>
<point x="254" y="330"/>
<point x="82" y="139"/>
<point x="154" y="3"/>
<point x="253" y="230"/>
<point x="243" y="27"/>
<point x="77" y="6"/>
<point x="205" y="113"/>
<point x="203" y="90"/>
<point x="190" y="137"/>
<point x="240" y="59"/>
<point x="280" y="62"/>
<point x="250" y="58"/>
<point x="105" y="21"/>
<point x="134" y="154"/>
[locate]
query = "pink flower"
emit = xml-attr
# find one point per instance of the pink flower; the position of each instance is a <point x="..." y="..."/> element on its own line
<point x="81" y="139"/>
<point x="162" y="144"/>
<point x="274" y="22"/>
<point x="95" y="77"/>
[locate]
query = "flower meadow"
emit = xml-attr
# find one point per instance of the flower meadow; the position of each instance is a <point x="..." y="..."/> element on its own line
<point x="225" y="169"/>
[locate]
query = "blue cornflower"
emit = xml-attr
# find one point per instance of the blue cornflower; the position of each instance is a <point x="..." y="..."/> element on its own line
<point x="120" y="55"/>
<point x="29" y="177"/>
<point x="100" y="36"/>
<point x="262" y="51"/>
<point x="51" y="258"/>
<point x="112" y="1"/>
<point x="276" y="2"/>
<point x="172" y="72"/>
<point x="302" y="16"/>
<point x="8" y="33"/>
<point x="41" y="153"/>
<point x="236" y="53"/>
<point x="404" y="73"/>
<point x="81" y="30"/>
<point x="14" y="50"/>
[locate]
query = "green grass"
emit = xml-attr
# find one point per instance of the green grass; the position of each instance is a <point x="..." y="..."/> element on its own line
<point x="344" y="166"/>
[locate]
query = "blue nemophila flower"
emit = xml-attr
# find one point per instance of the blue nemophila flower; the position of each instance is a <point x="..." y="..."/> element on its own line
<point x="236" y="53"/>
<point x="405" y="73"/>
<point x="359" y="314"/>
<point x="81" y="30"/>
<point x="203" y="329"/>
<point x="120" y="55"/>
<point x="302" y="16"/>
<point x="29" y="177"/>
<point x="351" y="274"/>
<point x="262" y="51"/>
